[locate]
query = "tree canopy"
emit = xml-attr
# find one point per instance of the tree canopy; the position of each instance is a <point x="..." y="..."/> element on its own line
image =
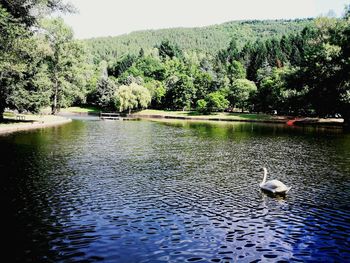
<point x="292" y="67"/>
<point x="132" y="97"/>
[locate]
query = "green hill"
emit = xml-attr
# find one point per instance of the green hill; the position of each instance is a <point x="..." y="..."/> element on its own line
<point x="208" y="39"/>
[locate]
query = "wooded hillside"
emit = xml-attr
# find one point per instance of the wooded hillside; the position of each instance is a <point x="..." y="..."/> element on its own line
<point x="208" y="39"/>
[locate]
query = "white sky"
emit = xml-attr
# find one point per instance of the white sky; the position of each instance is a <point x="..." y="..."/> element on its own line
<point x="116" y="17"/>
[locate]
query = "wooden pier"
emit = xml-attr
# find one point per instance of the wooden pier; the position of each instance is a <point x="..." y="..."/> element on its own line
<point x="110" y="116"/>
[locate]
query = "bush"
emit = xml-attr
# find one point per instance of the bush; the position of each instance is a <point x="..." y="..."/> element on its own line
<point x="202" y="106"/>
<point x="216" y="101"/>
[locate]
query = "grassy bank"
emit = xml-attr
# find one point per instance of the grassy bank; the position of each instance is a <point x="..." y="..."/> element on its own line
<point x="213" y="116"/>
<point x="243" y="117"/>
<point x="72" y="110"/>
<point x="81" y="110"/>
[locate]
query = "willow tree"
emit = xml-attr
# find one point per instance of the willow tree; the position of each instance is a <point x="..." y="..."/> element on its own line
<point x="132" y="97"/>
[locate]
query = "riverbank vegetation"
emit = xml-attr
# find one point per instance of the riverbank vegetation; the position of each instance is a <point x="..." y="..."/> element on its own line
<point x="302" y="72"/>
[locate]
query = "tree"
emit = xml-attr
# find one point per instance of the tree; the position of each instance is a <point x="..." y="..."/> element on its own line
<point x="28" y="12"/>
<point x="230" y="54"/>
<point x="66" y="63"/>
<point x="181" y="92"/>
<point x="203" y="83"/>
<point x="121" y="65"/>
<point x="169" y="50"/>
<point x="22" y="70"/>
<point x="324" y="71"/>
<point x="258" y="57"/>
<point x="132" y="97"/>
<point x="104" y="94"/>
<point x="12" y="64"/>
<point x="241" y="92"/>
<point x="151" y="68"/>
<point x="23" y="78"/>
<point x="202" y="106"/>
<point x="274" y="53"/>
<point x="216" y="101"/>
<point x="347" y="12"/>
<point x="29" y="90"/>
<point x="344" y="42"/>
<point x="157" y="91"/>
<point x="235" y="70"/>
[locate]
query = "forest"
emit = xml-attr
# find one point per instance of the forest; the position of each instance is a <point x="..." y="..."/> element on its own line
<point x="210" y="39"/>
<point x="285" y="67"/>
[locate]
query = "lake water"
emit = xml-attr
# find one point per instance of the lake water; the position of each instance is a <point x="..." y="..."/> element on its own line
<point x="143" y="191"/>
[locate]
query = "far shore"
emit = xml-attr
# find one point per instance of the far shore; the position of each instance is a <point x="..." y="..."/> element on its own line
<point x="46" y="120"/>
<point x="216" y="116"/>
<point x="238" y="117"/>
<point x="31" y="122"/>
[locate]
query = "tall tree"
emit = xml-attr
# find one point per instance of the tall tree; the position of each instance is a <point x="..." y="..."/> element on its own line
<point x="258" y="57"/>
<point x="22" y="69"/>
<point x="122" y="65"/>
<point x="169" y="50"/>
<point x="324" y="66"/>
<point x="241" y="92"/>
<point x="66" y="63"/>
<point x="181" y="93"/>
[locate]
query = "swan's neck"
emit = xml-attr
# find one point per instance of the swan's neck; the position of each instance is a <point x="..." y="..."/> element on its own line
<point x="265" y="176"/>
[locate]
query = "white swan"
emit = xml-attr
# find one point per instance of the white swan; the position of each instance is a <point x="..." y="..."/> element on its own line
<point x="273" y="186"/>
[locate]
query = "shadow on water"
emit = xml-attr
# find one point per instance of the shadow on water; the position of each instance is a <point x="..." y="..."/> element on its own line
<point x="28" y="168"/>
<point x="231" y="129"/>
<point x="175" y="191"/>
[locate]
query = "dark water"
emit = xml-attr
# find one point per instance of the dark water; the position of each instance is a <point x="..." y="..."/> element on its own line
<point x="174" y="192"/>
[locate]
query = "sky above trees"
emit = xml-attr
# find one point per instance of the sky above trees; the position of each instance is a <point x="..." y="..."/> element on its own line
<point x="115" y="17"/>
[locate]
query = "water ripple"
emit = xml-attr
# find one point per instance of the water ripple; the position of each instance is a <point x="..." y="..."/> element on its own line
<point x="175" y="192"/>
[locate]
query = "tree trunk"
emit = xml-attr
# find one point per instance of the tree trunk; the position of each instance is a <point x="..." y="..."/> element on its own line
<point x="346" y="117"/>
<point x="2" y="99"/>
<point x="54" y="103"/>
<point x="347" y="122"/>
<point x="2" y="110"/>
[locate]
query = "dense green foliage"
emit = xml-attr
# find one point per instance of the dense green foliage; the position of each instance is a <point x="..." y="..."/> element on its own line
<point x="41" y="67"/>
<point x="131" y="97"/>
<point x="67" y="70"/>
<point x="289" y="67"/>
<point x="298" y="73"/>
<point x="27" y="12"/>
<point x="241" y="93"/>
<point x="210" y="39"/>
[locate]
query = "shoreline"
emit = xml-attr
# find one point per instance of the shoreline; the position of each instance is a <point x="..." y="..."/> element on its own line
<point x="296" y="121"/>
<point x="157" y="116"/>
<point x="33" y="125"/>
<point x="299" y="122"/>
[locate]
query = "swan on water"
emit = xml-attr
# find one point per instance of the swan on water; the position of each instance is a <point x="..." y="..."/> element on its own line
<point x="273" y="186"/>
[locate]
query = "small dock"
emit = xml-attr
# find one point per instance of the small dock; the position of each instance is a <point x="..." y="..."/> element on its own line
<point x="110" y="116"/>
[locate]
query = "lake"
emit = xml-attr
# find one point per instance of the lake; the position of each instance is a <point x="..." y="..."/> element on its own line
<point x="175" y="191"/>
